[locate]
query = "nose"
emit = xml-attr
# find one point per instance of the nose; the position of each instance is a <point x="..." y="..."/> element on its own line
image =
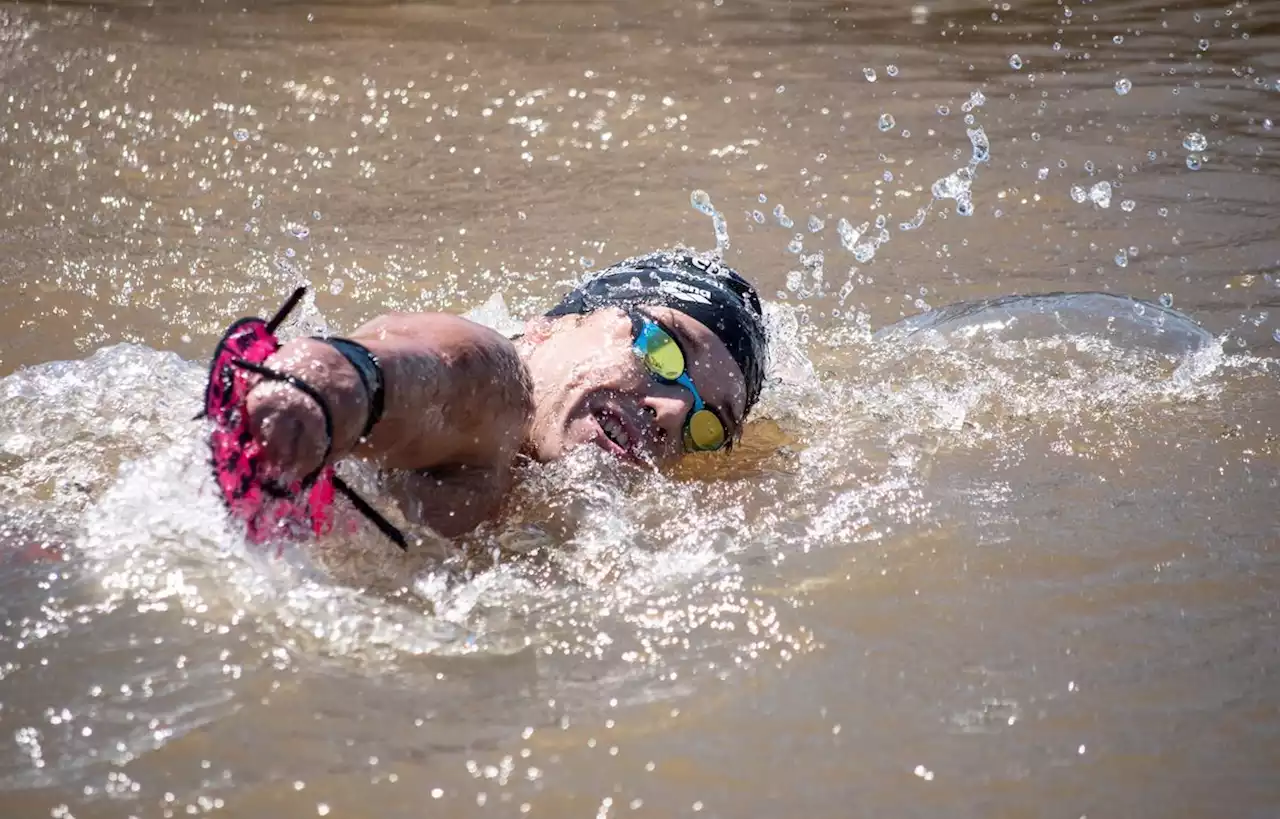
<point x="669" y="405"/>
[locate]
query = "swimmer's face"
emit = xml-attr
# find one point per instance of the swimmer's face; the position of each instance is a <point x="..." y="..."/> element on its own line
<point x="590" y="388"/>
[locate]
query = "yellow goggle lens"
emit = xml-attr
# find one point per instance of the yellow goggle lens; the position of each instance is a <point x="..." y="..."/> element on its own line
<point x="705" y="430"/>
<point x="663" y="357"/>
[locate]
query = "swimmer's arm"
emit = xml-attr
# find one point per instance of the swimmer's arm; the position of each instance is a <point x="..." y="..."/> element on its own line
<point x="457" y="399"/>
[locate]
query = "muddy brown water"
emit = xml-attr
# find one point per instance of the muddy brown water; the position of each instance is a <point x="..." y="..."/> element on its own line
<point x="1027" y="564"/>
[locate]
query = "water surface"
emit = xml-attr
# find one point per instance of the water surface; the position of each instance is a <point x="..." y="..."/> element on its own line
<point x="1010" y="561"/>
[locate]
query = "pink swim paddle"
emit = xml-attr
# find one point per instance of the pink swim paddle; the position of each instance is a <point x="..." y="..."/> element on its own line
<point x="269" y="509"/>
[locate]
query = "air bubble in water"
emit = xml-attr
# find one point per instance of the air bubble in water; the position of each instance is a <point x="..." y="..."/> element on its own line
<point x="1163" y="212"/>
<point x="1100" y="194"/>
<point x="1276" y="335"/>
<point x="758" y="217"/>
<point x="1166" y="299"/>
<point x="1267" y="125"/>
<point x="964" y="205"/>
<point x="1122" y="259"/>
<point x="886" y="122"/>
<point x="701" y="201"/>
<point x="796" y="244"/>
<point x="1118" y="39"/>
<point x="1079" y="195"/>
<point x="763" y="199"/>
<point x="870" y="74"/>
<point x="1128" y="205"/>
<point x="815" y="224"/>
<point x="891" y="70"/>
<point x="1195" y="162"/>
<point x="1015" y="62"/>
<point x="1042" y="174"/>
<point x="1123" y="86"/>
<point x="240" y="134"/>
<point x="300" y="231"/>
<point x="943" y="110"/>
<point x="336" y="286"/>
<point x="864" y="252"/>
<point x="1204" y="45"/>
<point x="1195" y="141"/>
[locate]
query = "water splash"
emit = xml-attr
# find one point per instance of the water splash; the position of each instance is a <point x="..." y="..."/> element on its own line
<point x="701" y="201"/>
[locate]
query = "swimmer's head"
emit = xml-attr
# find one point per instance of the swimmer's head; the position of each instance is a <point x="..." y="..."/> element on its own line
<point x="650" y="359"/>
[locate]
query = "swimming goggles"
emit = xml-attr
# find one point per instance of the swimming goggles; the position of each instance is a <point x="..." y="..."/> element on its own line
<point x="704" y="431"/>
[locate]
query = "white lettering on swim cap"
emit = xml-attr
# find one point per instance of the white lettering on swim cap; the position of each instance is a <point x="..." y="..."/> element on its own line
<point x="684" y="292"/>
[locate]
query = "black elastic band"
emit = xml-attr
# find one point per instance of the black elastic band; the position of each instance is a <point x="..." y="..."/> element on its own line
<point x="370" y="371"/>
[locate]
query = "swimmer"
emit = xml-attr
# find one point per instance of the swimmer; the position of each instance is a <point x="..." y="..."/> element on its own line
<point x="650" y="360"/>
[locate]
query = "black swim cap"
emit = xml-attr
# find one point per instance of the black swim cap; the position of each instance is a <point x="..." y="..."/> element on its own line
<point x="703" y="289"/>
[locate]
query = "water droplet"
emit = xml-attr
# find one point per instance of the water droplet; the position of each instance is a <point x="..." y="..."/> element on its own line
<point x="891" y="70"/>
<point x="1015" y="62"/>
<point x="886" y="122"/>
<point x="981" y="145"/>
<point x="240" y="134"/>
<point x="815" y="224"/>
<point x="1166" y="299"/>
<point x="1122" y="259"/>
<point x="870" y="74"/>
<point x="1123" y="86"/>
<point x="1118" y="39"/>
<point x="722" y="232"/>
<point x="701" y="201"/>
<point x="1100" y="194"/>
<point x="848" y="236"/>
<point x="1195" y="141"/>
<point x="1128" y="205"/>
<point x="1204" y="45"/>
<point x="1195" y="162"/>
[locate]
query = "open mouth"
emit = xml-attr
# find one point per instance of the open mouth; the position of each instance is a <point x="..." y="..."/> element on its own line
<point x="616" y="435"/>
